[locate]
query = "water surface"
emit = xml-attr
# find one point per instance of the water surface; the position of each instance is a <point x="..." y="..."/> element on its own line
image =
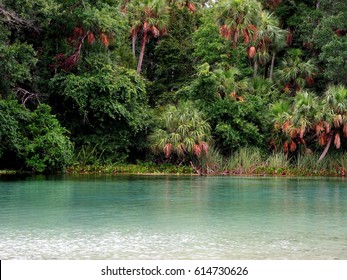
<point x="169" y="217"/>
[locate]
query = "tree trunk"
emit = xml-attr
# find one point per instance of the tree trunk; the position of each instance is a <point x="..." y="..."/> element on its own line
<point x="266" y="70"/>
<point x="272" y="65"/>
<point x="236" y="37"/>
<point x="318" y="4"/>
<point x="325" y="150"/>
<point x="133" y="41"/>
<point x="255" y="68"/>
<point x="142" y="53"/>
<point x="198" y="170"/>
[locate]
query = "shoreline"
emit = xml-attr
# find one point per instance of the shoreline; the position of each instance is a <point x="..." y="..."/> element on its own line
<point x="165" y="170"/>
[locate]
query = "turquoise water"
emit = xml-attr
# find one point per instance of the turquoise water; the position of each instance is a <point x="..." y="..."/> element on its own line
<point x="158" y="217"/>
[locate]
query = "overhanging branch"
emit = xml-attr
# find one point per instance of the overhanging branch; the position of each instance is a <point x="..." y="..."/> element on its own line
<point x="25" y="95"/>
<point x="12" y="19"/>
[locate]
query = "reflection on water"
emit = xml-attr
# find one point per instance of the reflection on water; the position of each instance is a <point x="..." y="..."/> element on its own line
<point x="157" y="217"/>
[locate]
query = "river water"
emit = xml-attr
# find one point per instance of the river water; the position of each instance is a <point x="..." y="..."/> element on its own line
<point x="172" y="217"/>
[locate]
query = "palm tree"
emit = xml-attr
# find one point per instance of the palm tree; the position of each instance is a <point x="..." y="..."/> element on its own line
<point x="183" y="131"/>
<point x="297" y="119"/>
<point x="148" y="18"/>
<point x="306" y="111"/>
<point x="294" y="72"/>
<point x="271" y="38"/>
<point x="334" y="124"/>
<point x="336" y="99"/>
<point x="239" y="19"/>
<point x="227" y="82"/>
<point x="261" y="57"/>
<point x="309" y="118"/>
<point x="191" y="5"/>
<point x="271" y="4"/>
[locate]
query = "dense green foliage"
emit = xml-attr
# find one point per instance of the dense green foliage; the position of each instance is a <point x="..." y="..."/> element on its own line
<point x="105" y="108"/>
<point x="206" y="83"/>
<point x="32" y="140"/>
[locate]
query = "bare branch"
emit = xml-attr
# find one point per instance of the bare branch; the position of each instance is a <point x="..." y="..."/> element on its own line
<point x="25" y="95"/>
<point x="14" y="20"/>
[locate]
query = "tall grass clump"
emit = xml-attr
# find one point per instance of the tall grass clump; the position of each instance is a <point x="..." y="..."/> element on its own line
<point x="342" y="163"/>
<point x="310" y="164"/>
<point x="89" y="155"/>
<point x="211" y="163"/>
<point x="245" y="160"/>
<point x="277" y="161"/>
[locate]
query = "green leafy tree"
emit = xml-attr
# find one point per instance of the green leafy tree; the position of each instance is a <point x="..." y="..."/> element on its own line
<point x="48" y="148"/>
<point x="213" y="49"/>
<point x="319" y="30"/>
<point x="107" y="107"/>
<point x="328" y="41"/>
<point x="333" y="56"/>
<point x="209" y="46"/>
<point x="17" y="59"/>
<point x="12" y="118"/>
<point x="238" y="123"/>
<point x="33" y="141"/>
<point x="237" y="113"/>
<point x="211" y="84"/>
<point x="173" y="61"/>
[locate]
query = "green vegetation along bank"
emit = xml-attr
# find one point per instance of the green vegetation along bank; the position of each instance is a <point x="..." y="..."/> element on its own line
<point x="203" y="87"/>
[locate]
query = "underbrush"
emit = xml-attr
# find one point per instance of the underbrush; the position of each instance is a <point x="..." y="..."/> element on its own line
<point x="252" y="161"/>
<point x="245" y="161"/>
<point x="139" y="168"/>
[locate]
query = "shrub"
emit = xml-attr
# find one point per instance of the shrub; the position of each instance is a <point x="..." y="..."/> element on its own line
<point x="33" y="141"/>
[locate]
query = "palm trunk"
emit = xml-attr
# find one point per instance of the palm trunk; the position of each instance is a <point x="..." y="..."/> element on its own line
<point x="266" y="70"/>
<point x="325" y="150"/>
<point x="255" y="68"/>
<point x="272" y="65"/>
<point x="133" y="41"/>
<point x="236" y="37"/>
<point x="318" y="5"/>
<point x="142" y="53"/>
